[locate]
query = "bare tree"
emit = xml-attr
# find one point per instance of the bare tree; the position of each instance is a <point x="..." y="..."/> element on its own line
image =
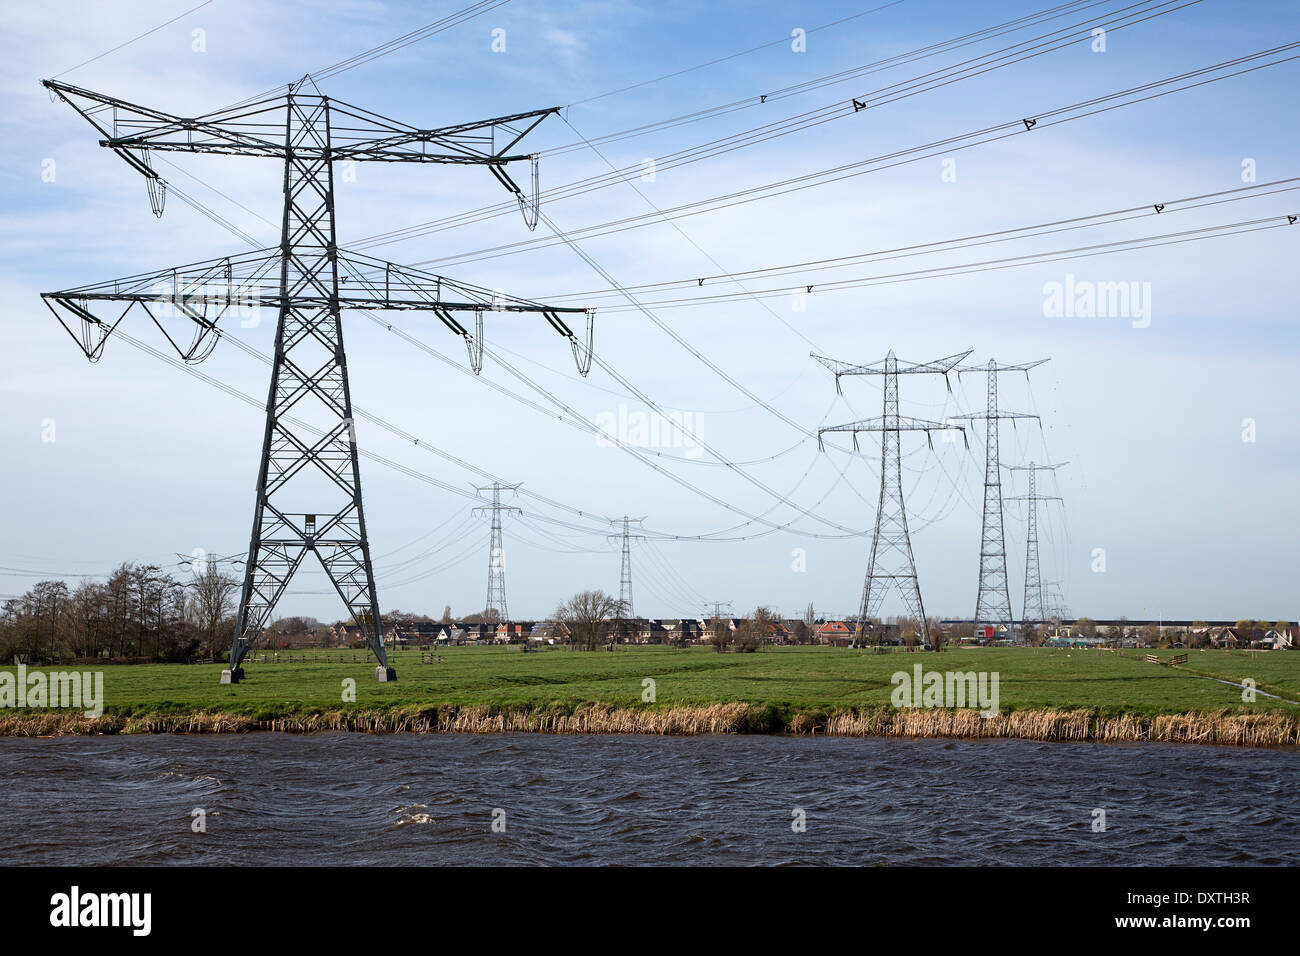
<point x="589" y="617"/>
<point x="938" y="636"/>
<point x="909" y="630"/>
<point x="89" y="616"/>
<point x="214" y="600"/>
<point x="756" y="630"/>
<point x="720" y="635"/>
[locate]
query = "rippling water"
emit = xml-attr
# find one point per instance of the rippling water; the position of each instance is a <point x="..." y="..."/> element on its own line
<point x="431" y="799"/>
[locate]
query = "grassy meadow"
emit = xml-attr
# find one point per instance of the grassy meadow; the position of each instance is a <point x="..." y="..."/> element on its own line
<point x="782" y="681"/>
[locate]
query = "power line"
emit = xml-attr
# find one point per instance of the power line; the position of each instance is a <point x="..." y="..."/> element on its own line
<point x="1241" y="227"/>
<point x="942" y="147"/>
<point x="806" y="86"/>
<point x="1144" y="211"/>
<point x="839" y="110"/>
<point x="732" y="56"/>
<point x="132" y="40"/>
<point x="390" y="46"/>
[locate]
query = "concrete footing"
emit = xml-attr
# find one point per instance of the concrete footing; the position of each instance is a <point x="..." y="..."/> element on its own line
<point x="232" y="675"/>
<point x="385" y="674"/>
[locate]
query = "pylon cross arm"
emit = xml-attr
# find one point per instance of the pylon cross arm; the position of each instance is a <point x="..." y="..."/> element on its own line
<point x="370" y="137"/>
<point x="995" y="367"/>
<point x="972" y="416"/>
<point x="129" y="126"/>
<point x="893" y="423"/>
<point x="199" y="294"/>
<point x="366" y="282"/>
<point x="358" y="134"/>
<point x="940" y="366"/>
<point x="205" y="292"/>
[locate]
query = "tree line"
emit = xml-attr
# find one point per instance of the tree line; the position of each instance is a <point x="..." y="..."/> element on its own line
<point x="140" y="612"/>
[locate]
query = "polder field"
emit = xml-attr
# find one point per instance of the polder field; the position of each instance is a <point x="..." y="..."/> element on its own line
<point x="780" y="681"/>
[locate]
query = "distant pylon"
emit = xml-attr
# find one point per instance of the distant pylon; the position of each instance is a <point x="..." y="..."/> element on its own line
<point x="1056" y="607"/>
<point x="625" y="578"/>
<point x="1035" y="612"/>
<point x="496" y="589"/>
<point x="891" y="561"/>
<point x="993" y="601"/>
<point x="717" y="608"/>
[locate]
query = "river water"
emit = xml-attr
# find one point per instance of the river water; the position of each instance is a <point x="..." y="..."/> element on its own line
<point x="540" y="799"/>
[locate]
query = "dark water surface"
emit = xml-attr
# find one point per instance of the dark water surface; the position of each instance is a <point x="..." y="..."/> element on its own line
<point x="430" y="799"/>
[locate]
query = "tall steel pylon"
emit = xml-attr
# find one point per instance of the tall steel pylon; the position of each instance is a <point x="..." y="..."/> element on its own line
<point x="496" y="589"/>
<point x="993" y="601"/>
<point x="309" y="484"/>
<point x="1035" y="609"/>
<point x="625" y="537"/>
<point x="891" y="562"/>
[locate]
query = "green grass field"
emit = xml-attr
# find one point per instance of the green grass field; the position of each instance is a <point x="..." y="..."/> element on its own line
<point x="808" y="680"/>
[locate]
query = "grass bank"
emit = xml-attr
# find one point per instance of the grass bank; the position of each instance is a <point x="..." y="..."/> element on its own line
<point x="1044" y="694"/>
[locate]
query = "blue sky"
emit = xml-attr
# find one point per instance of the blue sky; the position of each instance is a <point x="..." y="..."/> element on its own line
<point x="1194" y="521"/>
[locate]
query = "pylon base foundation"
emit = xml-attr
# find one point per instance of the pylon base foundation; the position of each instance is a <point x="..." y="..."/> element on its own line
<point x="232" y="675"/>
<point x="385" y="674"/>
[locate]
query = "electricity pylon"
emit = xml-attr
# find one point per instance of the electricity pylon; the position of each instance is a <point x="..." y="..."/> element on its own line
<point x="309" y="484"/>
<point x="717" y="608"/>
<point x="891" y="561"/>
<point x="496" y="590"/>
<point x="993" y="601"/>
<point x="625" y="577"/>
<point x="1056" y="607"/>
<point x="1034" y="597"/>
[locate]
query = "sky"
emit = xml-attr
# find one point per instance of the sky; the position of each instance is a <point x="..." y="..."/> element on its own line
<point x="1177" y="417"/>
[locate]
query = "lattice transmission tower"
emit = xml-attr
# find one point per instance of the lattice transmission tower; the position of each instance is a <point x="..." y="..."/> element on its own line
<point x="891" y="564"/>
<point x="625" y="538"/>
<point x="1057" y="610"/>
<point x="1035" y="611"/>
<point x="993" y="601"/>
<point x="496" y="589"/>
<point x="309" y="484"/>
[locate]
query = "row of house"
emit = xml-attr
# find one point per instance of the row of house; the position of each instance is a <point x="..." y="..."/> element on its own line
<point x="672" y="631"/>
<point x="683" y="632"/>
<point x="1273" y="639"/>
<point x="1219" y="634"/>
